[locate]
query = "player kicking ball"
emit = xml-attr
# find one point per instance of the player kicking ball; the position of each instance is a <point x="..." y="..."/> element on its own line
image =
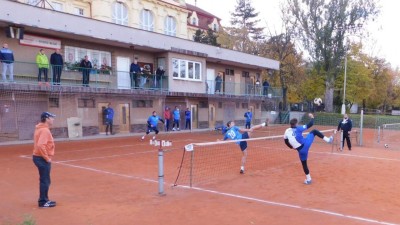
<point x="294" y="139"/>
<point x="235" y="133"/>
<point x="152" y="122"/>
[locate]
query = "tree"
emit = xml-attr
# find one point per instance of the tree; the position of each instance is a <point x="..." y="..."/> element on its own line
<point x="244" y="28"/>
<point x="208" y="37"/>
<point x="322" y="27"/>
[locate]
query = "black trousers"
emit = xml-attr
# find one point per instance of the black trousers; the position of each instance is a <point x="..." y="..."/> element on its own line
<point x="44" y="169"/>
<point x="346" y="136"/>
<point x="57" y="74"/>
<point x="85" y="77"/>
<point x="44" y="71"/>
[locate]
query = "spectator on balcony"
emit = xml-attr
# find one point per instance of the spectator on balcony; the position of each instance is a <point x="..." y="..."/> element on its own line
<point x="43" y="64"/>
<point x="265" y="87"/>
<point x="7" y="61"/>
<point x="86" y="67"/>
<point x="159" y="75"/>
<point x="133" y="72"/>
<point x="146" y="72"/>
<point x="218" y="82"/>
<point x="57" y="62"/>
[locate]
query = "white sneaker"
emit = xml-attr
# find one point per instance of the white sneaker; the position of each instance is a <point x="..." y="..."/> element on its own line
<point x="330" y="139"/>
<point x="173" y="129"/>
<point x="178" y="129"/>
<point x="154" y="137"/>
<point x="307" y="182"/>
<point x="142" y="138"/>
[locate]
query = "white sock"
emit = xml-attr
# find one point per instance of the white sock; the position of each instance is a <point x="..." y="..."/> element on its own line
<point x="326" y="139"/>
<point x="142" y="137"/>
<point x="242" y="168"/>
<point x="308" y="177"/>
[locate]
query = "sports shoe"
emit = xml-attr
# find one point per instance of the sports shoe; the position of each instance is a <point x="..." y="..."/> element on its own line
<point x="154" y="137"/>
<point x="178" y="129"/>
<point x="330" y="139"/>
<point x="307" y="182"/>
<point x="142" y="138"/>
<point x="173" y="129"/>
<point x="48" y="204"/>
<point x="241" y="171"/>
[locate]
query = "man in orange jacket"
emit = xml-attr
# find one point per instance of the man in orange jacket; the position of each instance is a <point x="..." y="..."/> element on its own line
<point x="43" y="151"/>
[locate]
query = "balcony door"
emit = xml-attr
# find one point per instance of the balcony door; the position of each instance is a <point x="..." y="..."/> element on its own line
<point x="123" y="78"/>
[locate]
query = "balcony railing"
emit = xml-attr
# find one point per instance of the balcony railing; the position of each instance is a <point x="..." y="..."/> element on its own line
<point x="242" y="89"/>
<point x="27" y="73"/>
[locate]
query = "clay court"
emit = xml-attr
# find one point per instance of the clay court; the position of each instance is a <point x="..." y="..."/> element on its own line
<point x="114" y="181"/>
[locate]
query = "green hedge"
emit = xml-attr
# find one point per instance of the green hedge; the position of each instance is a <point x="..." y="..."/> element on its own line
<point x="370" y="121"/>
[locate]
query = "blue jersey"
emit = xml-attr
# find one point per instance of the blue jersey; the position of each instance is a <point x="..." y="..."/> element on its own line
<point x="153" y="120"/>
<point x="187" y="114"/>
<point x="249" y="116"/>
<point x="233" y="134"/>
<point x="177" y="115"/>
<point x="109" y="112"/>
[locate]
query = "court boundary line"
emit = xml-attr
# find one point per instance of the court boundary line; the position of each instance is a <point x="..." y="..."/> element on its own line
<point x="273" y="203"/>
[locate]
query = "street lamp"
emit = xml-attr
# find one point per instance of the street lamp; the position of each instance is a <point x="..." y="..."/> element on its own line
<point x="344" y="82"/>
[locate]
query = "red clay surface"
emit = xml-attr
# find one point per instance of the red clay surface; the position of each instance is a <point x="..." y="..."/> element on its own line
<point x="114" y="181"/>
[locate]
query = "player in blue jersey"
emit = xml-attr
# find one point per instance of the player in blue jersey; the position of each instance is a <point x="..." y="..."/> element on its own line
<point x="152" y="122"/>
<point x="235" y="133"/>
<point x="294" y="139"/>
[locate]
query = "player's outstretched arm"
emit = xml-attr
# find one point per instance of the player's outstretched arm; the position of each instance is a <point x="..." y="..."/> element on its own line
<point x="311" y="123"/>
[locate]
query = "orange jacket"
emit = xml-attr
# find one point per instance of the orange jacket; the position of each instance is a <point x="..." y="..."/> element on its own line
<point x="43" y="142"/>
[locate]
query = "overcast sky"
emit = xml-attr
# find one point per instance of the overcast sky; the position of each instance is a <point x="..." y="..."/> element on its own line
<point x="385" y="30"/>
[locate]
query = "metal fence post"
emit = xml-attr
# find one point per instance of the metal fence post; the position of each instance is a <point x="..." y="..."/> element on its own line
<point x="361" y="127"/>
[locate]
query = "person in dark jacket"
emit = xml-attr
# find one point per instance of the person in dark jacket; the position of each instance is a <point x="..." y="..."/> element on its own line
<point x="133" y="72"/>
<point x="57" y="62"/>
<point x="345" y="125"/>
<point x="218" y="82"/>
<point x="86" y="67"/>
<point x="7" y="61"/>
<point x="159" y="75"/>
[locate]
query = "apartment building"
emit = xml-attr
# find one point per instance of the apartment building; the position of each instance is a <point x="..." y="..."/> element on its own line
<point x="113" y="34"/>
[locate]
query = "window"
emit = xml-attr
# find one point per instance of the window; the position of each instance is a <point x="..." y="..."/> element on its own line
<point x="215" y="27"/>
<point x="147" y="20"/>
<point x="57" y="6"/>
<point x="170" y="26"/>
<point x="120" y="14"/>
<point x="220" y="105"/>
<point x="245" y="105"/>
<point x="194" y="21"/>
<point x="245" y="74"/>
<point x="142" y="104"/>
<point x="203" y="104"/>
<point x="237" y="105"/>
<point x="229" y="72"/>
<point x="54" y="102"/>
<point x="186" y="70"/>
<point x="98" y="59"/>
<point x="78" y="11"/>
<point x="86" y="103"/>
<point x="33" y="2"/>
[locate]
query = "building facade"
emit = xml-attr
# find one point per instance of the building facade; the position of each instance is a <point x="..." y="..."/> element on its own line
<point x="89" y="28"/>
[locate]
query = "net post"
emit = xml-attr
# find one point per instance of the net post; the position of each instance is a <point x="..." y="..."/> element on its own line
<point x="361" y="127"/>
<point x="160" y="170"/>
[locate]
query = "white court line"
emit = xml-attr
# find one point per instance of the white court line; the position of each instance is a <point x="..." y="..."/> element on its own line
<point x="356" y="156"/>
<point x="327" y="212"/>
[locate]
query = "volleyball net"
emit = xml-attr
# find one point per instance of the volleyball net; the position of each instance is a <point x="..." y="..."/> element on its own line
<point x="213" y="162"/>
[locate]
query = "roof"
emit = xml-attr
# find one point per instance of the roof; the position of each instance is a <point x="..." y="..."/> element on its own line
<point x="201" y="11"/>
